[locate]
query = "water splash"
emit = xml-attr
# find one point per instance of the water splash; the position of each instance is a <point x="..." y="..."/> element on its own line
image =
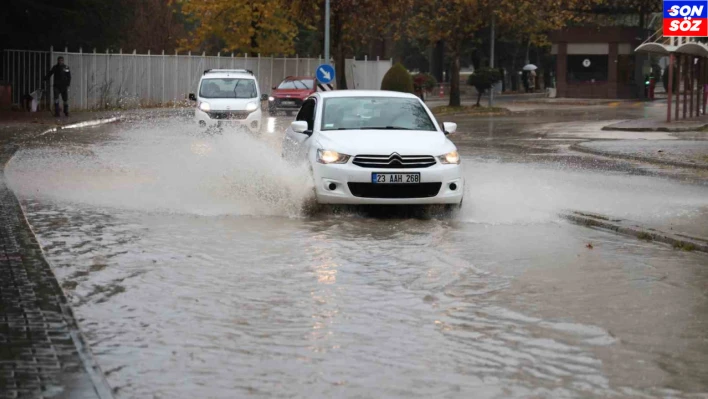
<point x="166" y="167"/>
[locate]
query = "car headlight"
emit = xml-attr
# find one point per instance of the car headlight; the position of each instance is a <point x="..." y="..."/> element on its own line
<point x="204" y="106"/>
<point x="451" y="158"/>
<point x="329" y="157"/>
<point x="271" y="98"/>
<point x="251" y="107"/>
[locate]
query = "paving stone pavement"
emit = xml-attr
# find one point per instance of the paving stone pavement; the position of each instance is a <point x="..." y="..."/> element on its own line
<point x="42" y="352"/>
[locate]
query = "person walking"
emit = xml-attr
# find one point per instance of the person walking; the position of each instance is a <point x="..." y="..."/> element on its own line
<point x="62" y="81"/>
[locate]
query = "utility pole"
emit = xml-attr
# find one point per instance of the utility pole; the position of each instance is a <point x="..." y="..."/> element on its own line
<point x="326" y="38"/>
<point x="491" y="63"/>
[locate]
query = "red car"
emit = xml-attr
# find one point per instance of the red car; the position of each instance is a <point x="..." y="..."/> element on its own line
<point x="290" y="93"/>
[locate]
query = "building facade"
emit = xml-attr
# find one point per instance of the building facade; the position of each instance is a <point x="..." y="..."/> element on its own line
<point x="599" y="62"/>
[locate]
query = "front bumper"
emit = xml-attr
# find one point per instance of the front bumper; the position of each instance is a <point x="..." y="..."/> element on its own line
<point x="343" y="175"/>
<point x="278" y="104"/>
<point x="252" y="122"/>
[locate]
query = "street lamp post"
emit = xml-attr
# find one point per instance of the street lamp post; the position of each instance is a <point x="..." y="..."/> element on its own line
<point x="326" y="38"/>
<point x="491" y="63"/>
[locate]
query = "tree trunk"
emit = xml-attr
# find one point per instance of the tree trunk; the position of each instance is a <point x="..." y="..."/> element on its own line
<point x="340" y="68"/>
<point x="479" y="97"/>
<point x="455" y="79"/>
<point x="437" y="61"/>
<point x="254" y="26"/>
<point x="514" y="75"/>
<point x="528" y="49"/>
<point x="339" y="56"/>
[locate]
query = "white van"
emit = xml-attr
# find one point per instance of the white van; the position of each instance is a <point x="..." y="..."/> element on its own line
<point x="228" y="97"/>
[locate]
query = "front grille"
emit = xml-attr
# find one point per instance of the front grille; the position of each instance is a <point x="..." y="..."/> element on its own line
<point x="228" y="114"/>
<point x="394" y="161"/>
<point x="279" y="102"/>
<point x="371" y="190"/>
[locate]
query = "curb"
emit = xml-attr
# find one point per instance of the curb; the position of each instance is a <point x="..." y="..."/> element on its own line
<point x="475" y="115"/>
<point x="96" y="376"/>
<point x="625" y="227"/>
<point x="610" y="128"/>
<point x="580" y="148"/>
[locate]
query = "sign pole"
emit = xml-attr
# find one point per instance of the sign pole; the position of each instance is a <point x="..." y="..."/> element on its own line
<point x="326" y="38"/>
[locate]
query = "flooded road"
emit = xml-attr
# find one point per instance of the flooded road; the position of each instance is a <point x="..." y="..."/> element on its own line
<point x="198" y="267"/>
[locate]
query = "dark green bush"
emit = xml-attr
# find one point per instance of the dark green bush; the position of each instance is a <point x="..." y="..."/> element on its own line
<point x="397" y="79"/>
<point x="482" y="79"/>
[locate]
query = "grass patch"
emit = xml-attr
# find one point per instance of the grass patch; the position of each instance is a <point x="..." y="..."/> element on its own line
<point x="686" y="246"/>
<point x="645" y="236"/>
<point x="469" y="110"/>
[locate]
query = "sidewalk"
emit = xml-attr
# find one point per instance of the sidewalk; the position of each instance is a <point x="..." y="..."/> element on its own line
<point x="653" y="125"/>
<point x="679" y="153"/>
<point x="42" y="351"/>
<point x="530" y="102"/>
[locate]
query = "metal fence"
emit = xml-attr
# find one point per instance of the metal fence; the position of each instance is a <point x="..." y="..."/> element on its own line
<point x="101" y="80"/>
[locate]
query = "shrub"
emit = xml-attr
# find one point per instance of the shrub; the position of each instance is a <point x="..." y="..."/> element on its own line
<point x="397" y="79"/>
<point x="424" y="81"/>
<point x="482" y="79"/>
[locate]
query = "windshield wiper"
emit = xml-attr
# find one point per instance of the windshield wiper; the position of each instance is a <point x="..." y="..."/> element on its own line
<point x="386" y="128"/>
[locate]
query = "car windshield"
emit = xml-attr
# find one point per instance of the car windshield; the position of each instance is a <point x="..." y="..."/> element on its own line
<point x="228" y="88"/>
<point x="297" y="84"/>
<point x="385" y="113"/>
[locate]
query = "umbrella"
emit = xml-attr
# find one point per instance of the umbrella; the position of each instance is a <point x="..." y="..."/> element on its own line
<point x="530" y="67"/>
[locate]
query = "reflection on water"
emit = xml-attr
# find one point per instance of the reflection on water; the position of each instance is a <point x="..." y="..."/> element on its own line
<point x="195" y="273"/>
<point x="341" y="306"/>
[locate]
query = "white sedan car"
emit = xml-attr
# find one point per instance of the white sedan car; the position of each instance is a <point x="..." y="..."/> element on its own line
<point x="375" y="147"/>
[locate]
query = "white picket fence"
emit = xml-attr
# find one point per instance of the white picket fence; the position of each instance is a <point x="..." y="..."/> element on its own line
<point x="101" y="80"/>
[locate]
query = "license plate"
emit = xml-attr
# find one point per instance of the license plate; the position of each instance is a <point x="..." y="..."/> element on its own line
<point x="395" y="178"/>
<point x="288" y="102"/>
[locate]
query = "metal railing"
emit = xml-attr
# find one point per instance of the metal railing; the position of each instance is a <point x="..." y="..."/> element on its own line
<point x="106" y="80"/>
<point x="24" y="70"/>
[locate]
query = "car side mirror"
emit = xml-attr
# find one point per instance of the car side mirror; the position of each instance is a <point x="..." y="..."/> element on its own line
<point x="299" y="127"/>
<point x="275" y="88"/>
<point x="192" y="97"/>
<point x="449" y="127"/>
<point x="264" y="97"/>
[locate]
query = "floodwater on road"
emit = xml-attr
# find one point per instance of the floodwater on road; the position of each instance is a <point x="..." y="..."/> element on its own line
<point x="198" y="267"/>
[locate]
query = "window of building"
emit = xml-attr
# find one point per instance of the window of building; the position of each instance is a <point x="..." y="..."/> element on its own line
<point x="587" y="68"/>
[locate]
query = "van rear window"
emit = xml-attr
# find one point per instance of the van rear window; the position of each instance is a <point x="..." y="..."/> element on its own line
<point x="228" y="88"/>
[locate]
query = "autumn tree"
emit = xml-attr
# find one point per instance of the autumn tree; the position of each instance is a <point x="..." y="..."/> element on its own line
<point x="454" y="22"/>
<point x="530" y="21"/>
<point x="152" y="25"/>
<point x="355" y="23"/>
<point x="457" y="23"/>
<point x="248" y="26"/>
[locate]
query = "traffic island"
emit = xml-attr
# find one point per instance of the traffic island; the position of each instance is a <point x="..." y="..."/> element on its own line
<point x="469" y="110"/>
<point x="676" y="240"/>
<point x="650" y="125"/>
<point x="42" y="351"/>
<point x="691" y="154"/>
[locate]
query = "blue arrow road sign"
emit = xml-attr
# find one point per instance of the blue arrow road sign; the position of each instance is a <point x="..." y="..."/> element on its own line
<point x="325" y="73"/>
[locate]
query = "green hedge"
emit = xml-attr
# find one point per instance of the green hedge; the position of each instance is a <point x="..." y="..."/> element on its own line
<point x="397" y="79"/>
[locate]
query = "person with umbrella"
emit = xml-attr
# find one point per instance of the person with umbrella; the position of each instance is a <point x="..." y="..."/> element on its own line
<point x="530" y="77"/>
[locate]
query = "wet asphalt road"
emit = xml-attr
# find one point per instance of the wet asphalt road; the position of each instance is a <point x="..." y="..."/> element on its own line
<point x="197" y="267"/>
